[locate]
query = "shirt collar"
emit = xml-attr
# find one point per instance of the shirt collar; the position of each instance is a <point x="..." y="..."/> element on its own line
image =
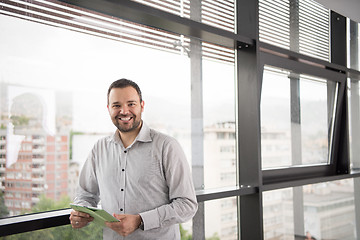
<point x="143" y="136"/>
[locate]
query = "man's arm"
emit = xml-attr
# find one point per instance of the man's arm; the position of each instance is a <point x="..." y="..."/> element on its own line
<point x="183" y="203"/>
<point x="87" y="194"/>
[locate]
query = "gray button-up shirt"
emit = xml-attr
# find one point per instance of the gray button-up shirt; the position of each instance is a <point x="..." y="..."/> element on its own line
<point x="151" y="177"/>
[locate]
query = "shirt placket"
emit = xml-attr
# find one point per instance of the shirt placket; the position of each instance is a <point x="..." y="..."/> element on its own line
<point x="122" y="187"/>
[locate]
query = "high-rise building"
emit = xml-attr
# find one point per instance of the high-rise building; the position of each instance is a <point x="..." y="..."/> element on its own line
<point x="34" y="148"/>
<point x="41" y="168"/>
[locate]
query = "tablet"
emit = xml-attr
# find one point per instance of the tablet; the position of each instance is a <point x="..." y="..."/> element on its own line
<point x="100" y="216"/>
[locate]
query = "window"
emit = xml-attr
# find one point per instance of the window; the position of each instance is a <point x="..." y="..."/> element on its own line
<point x="61" y="110"/>
<point x="296" y="119"/>
<point x="261" y="115"/>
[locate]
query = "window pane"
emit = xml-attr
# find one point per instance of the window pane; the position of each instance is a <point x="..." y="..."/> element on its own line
<point x="53" y="104"/>
<point x="353" y="45"/>
<point x="219" y="125"/>
<point x="329" y="210"/>
<point x="354" y="117"/>
<point x="295" y="118"/>
<point x="278" y="217"/>
<point x="221" y="219"/>
<point x="322" y="211"/>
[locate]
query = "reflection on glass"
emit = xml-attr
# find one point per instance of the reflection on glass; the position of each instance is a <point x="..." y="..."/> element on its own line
<point x="327" y="208"/>
<point x="221" y="219"/>
<point x="354" y="117"/>
<point x="219" y="125"/>
<point x="278" y="214"/>
<point x="57" y="110"/>
<point x="296" y="118"/>
<point x="53" y="106"/>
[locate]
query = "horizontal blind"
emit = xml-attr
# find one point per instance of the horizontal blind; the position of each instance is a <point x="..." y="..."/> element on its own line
<point x="73" y="18"/>
<point x="314" y="32"/>
<point x="217" y="13"/>
<point x="313" y="26"/>
<point x="274" y="22"/>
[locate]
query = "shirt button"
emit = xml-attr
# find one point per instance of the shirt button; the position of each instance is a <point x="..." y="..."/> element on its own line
<point x="121" y="209"/>
<point x="125" y="151"/>
<point x="122" y="189"/>
<point x="123" y="170"/>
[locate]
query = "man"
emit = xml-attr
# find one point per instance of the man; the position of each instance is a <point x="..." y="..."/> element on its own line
<point x="139" y="174"/>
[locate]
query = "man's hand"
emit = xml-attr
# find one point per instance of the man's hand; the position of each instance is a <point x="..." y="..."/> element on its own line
<point x="127" y="225"/>
<point x="79" y="219"/>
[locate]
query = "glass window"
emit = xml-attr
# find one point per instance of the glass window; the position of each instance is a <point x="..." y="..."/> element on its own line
<point x="354" y="94"/>
<point x="53" y="99"/>
<point x="221" y="219"/>
<point x="296" y="119"/>
<point x="329" y="210"/>
<point x="322" y="211"/>
<point x="354" y="117"/>
<point x="278" y="214"/>
<point x="353" y="45"/>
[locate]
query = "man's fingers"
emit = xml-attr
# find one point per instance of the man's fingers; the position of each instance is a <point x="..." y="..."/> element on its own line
<point x="80" y="214"/>
<point x="79" y="219"/>
<point x="119" y="216"/>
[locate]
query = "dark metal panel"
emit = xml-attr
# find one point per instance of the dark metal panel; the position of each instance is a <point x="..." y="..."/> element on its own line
<point x="248" y="121"/>
<point x="341" y="157"/>
<point x="301" y="67"/>
<point x="297" y="172"/>
<point x="341" y="134"/>
<point x="287" y="54"/>
<point x="142" y="14"/>
<point x="218" y="193"/>
<point x="338" y="39"/>
<point x="306" y="181"/>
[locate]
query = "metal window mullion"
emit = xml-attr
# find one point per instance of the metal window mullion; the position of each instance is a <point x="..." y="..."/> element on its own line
<point x="248" y="121"/>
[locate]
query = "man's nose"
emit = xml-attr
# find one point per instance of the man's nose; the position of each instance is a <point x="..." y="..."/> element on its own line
<point x="124" y="110"/>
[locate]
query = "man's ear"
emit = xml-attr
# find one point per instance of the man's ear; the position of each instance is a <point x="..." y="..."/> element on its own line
<point x="142" y="105"/>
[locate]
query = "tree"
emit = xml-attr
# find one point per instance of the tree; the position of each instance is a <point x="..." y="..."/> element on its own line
<point x="184" y="234"/>
<point x="3" y="209"/>
<point x="20" y="120"/>
<point x="90" y="232"/>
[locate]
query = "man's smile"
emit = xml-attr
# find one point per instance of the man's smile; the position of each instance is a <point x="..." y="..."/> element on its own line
<point x="125" y="119"/>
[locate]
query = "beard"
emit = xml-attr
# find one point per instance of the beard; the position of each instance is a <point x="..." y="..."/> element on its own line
<point x="127" y="127"/>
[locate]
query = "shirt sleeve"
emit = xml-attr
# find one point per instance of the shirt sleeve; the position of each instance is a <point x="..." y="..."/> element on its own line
<point x="87" y="192"/>
<point x="183" y="204"/>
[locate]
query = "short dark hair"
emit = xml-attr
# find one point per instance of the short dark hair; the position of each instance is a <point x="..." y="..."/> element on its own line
<point x="123" y="83"/>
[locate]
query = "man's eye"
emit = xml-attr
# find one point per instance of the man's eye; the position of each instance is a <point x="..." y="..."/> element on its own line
<point x="131" y="104"/>
<point x="116" y="106"/>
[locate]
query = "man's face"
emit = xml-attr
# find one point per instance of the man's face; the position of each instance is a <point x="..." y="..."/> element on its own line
<point x="125" y="108"/>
